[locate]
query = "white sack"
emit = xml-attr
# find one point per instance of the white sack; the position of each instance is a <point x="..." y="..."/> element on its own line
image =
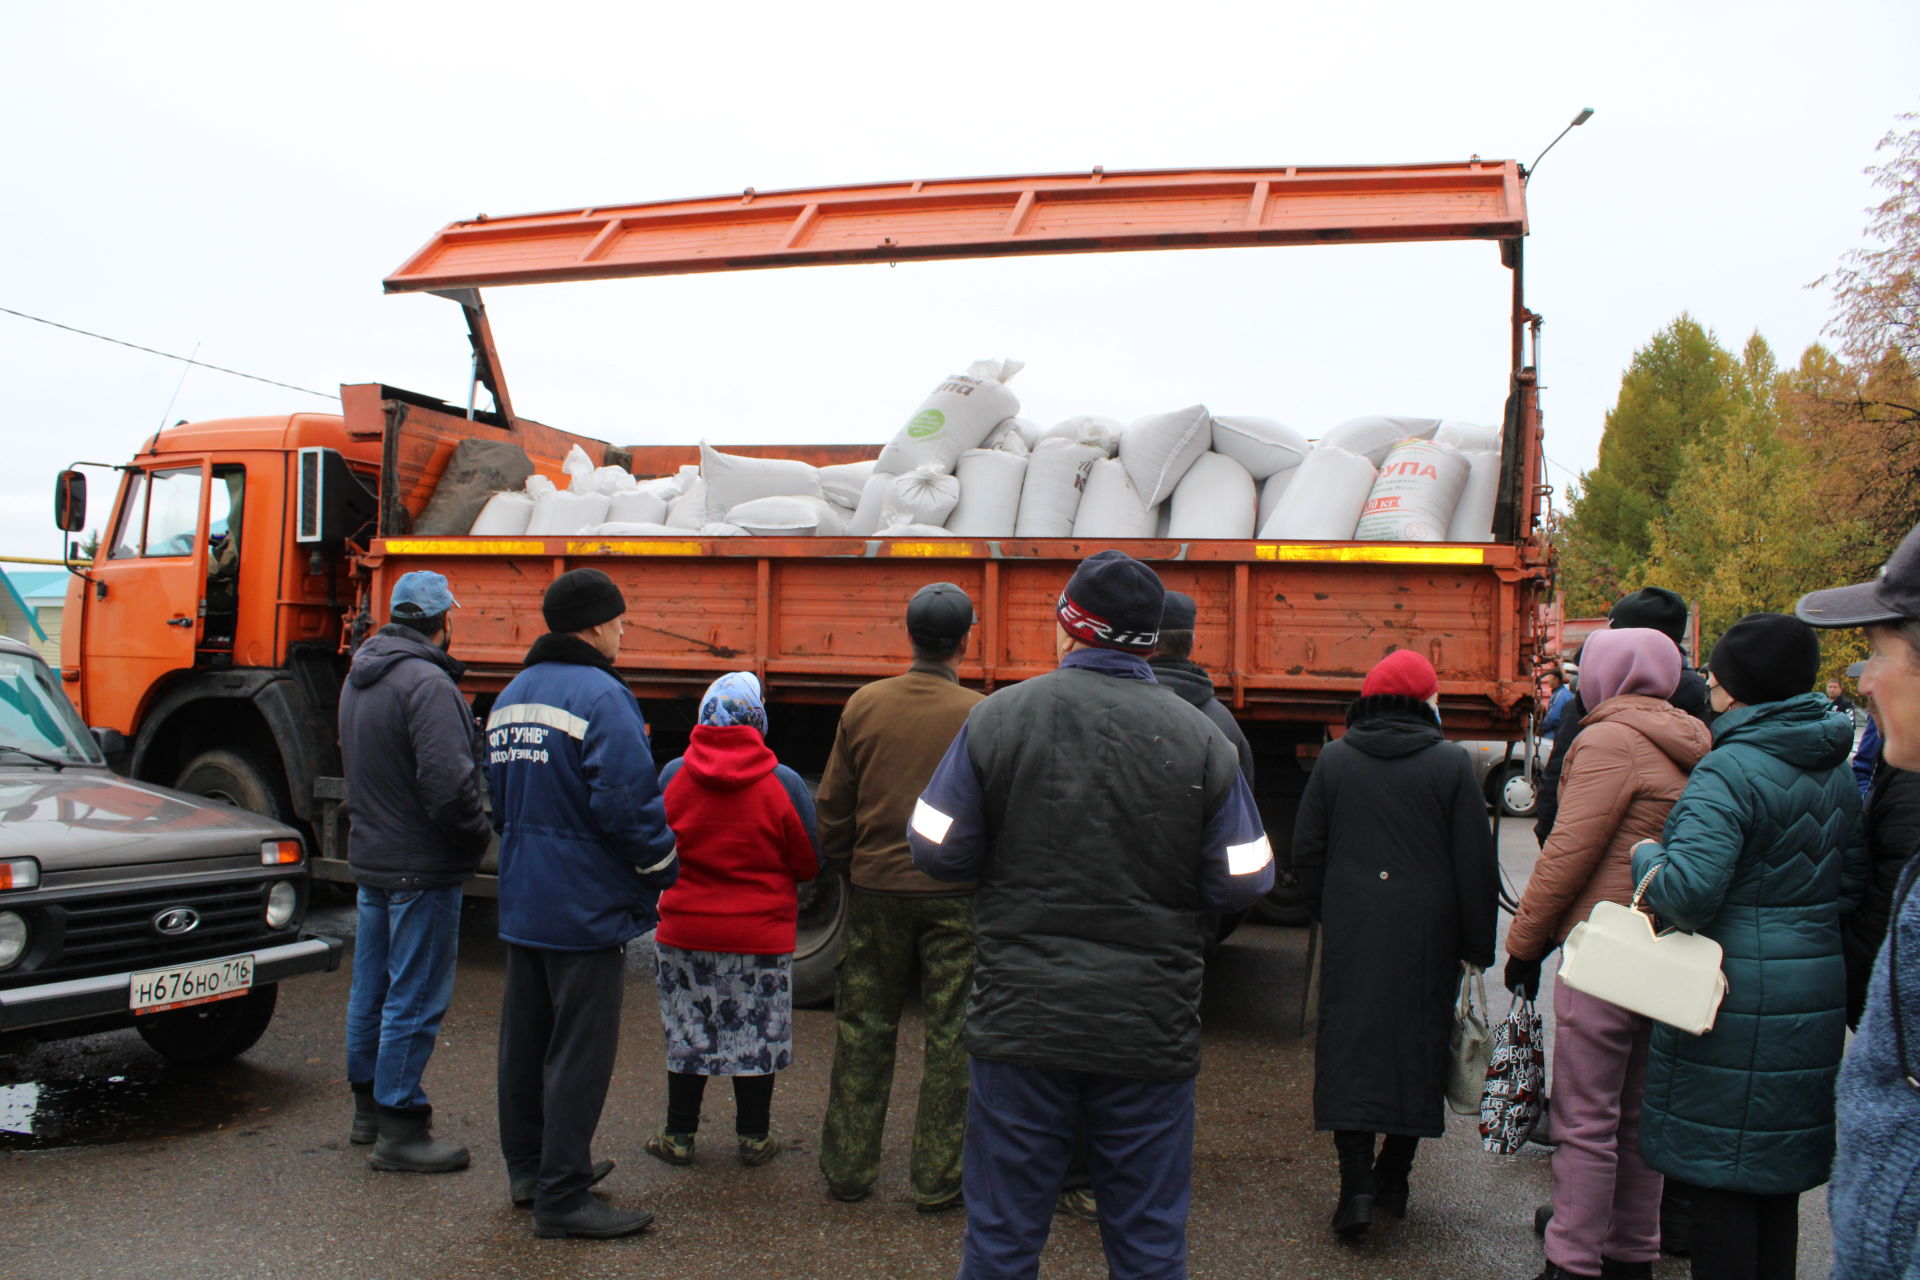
<point x="1158" y="449"/>
<point x="689" y="510"/>
<point x="666" y="488"/>
<point x="1373" y="437"/>
<point x="538" y="487"/>
<point x="925" y="495"/>
<point x="505" y="515"/>
<point x="566" y="513"/>
<point x="1111" y="506"/>
<point x="1215" y="499"/>
<point x="613" y="481"/>
<point x="871" y="513"/>
<point x="579" y="470"/>
<point x="1271" y="490"/>
<point x="1050" y="496"/>
<point x="1261" y="445"/>
<point x="989" y="505"/>
<point x="1323" y="500"/>
<point x="1414" y="496"/>
<point x="1473" y="516"/>
<point x="1466" y="437"/>
<point x="788" y="516"/>
<point x="1015" y="435"/>
<point x="1163" y="520"/>
<point x="732" y="480"/>
<point x="721" y="529"/>
<point x="961" y="412"/>
<point x="638" y="507"/>
<point x="1088" y="429"/>
<point x="1030" y="431"/>
<point x="907" y="530"/>
<point x="635" y="529"/>
<point x="843" y="482"/>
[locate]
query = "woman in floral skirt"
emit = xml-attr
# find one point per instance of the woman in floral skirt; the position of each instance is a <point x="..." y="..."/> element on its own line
<point x="745" y="826"/>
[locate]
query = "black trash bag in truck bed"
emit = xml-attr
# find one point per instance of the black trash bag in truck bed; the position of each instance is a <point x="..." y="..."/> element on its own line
<point x="478" y="470"/>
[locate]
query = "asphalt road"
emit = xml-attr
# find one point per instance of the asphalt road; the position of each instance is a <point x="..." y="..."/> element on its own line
<point x="116" y="1165"/>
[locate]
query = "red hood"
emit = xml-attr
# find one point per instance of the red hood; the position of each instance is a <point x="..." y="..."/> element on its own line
<point x="728" y="756"/>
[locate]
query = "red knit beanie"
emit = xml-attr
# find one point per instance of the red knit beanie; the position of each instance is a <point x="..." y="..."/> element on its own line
<point x="1404" y="672"/>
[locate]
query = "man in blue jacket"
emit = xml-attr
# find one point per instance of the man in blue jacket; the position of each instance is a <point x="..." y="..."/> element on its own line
<point x="584" y="853"/>
<point x="419" y="831"/>
<point x="1102" y="817"/>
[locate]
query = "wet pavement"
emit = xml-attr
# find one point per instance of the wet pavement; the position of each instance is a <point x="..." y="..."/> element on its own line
<point x="115" y="1164"/>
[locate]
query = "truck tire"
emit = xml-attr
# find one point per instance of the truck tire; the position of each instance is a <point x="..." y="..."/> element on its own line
<point x="238" y="779"/>
<point x="1283" y="904"/>
<point x="824" y="903"/>
<point x="208" y="1034"/>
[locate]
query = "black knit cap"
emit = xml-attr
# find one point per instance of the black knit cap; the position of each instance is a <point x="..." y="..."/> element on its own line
<point x="1178" y="613"/>
<point x="581" y="598"/>
<point x="1766" y="657"/>
<point x="1112" y="601"/>
<point x="939" y="614"/>
<point x="1653" y="607"/>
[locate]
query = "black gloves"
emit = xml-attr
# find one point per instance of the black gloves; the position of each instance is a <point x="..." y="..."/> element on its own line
<point x="1523" y="977"/>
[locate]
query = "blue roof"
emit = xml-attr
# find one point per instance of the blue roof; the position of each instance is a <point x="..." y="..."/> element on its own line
<point x="25" y="608"/>
<point x="40" y="583"/>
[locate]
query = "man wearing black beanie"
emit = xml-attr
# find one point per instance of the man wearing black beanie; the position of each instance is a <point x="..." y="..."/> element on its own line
<point x="1102" y="817"/>
<point x="584" y="853"/>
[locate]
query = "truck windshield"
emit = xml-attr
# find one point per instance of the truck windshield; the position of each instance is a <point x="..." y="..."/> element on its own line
<point x="36" y="718"/>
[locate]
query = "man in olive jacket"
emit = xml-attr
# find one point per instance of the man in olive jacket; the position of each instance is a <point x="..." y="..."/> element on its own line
<point x="1102" y="817"/>
<point x="901" y="923"/>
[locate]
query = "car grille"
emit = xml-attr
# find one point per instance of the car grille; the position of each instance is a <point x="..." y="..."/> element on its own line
<point x="114" y="932"/>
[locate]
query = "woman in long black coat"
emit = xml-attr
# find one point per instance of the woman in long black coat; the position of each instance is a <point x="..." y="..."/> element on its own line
<point x="1395" y="856"/>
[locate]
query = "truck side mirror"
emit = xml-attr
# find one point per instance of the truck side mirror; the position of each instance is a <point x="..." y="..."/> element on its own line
<point x="70" y="501"/>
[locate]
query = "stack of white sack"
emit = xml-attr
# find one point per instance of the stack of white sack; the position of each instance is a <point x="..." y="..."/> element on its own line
<point x="1413" y="498"/>
<point x="991" y="481"/>
<point x="578" y="507"/>
<point x="1215" y="499"/>
<point x="1157" y="450"/>
<point x="1050" y="497"/>
<point x="1373" y="437"/>
<point x="1111" y="506"/>
<point x="844" y="482"/>
<point x="1473" y="517"/>
<point x="732" y="479"/>
<point x="788" y="516"/>
<point x="960" y="414"/>
<point x="1324" y="498"/>
<point x="1102" y="433"/>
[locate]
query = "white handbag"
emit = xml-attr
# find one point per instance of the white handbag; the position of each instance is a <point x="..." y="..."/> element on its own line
<point x="1671" y="977"/>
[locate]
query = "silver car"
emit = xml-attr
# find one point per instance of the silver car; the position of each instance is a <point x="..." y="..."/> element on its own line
<point x="1504" y="777"/>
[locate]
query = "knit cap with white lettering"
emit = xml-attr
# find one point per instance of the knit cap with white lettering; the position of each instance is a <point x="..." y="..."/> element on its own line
<point x="1113" y="602"/>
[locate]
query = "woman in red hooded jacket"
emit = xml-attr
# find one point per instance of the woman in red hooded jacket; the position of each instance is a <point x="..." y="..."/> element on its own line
<point x="745" y="827"/>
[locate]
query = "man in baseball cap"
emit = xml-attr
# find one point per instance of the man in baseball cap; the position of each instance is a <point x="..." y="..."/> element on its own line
<point x="1102" y="816"/>
<point x="891" y="735"/>
<point x="1875" y="1219"/>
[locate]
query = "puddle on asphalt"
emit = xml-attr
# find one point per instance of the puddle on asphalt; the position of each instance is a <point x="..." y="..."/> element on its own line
<point x="128" y="1101"/>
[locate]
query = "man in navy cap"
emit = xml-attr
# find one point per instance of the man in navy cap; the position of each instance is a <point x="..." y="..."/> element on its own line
<point x="1102" y="817"/>
<point x="419" y="831"/>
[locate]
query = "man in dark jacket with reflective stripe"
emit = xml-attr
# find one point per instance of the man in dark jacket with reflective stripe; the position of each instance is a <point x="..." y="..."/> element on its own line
<point x="419" y="831"/>
<point x="584" y="853"/>
<point x="1102" y="817"/>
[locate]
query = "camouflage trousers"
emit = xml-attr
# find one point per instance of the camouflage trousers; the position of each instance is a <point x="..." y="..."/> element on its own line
<point x="891" y="943"/>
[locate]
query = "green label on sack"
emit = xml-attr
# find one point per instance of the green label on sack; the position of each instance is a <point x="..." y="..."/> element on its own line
<point x="926" y="424"/>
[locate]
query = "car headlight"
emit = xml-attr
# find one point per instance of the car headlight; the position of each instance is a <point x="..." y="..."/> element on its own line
<point x="13" y="938"/>
<point x="281" y="901"/>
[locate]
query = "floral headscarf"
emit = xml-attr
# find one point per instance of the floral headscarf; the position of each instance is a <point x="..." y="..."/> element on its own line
<point x="734" y="699"/>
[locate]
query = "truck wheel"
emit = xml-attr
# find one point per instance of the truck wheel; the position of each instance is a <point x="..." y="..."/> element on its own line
<point x="211" y="1033"/>
<point x="1511" y="789"/>
<point x="824" y="903"/>
<point x="1283" y="904"/>
<point x="235" y="778"/>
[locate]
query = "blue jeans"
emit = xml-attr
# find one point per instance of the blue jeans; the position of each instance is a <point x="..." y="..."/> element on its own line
<point x="402" y="984"/>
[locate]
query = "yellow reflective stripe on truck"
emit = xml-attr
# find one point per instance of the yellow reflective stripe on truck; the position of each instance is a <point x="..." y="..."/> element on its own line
<point x="1399" y="554"/>
<point x="465" y="547"/>
<point x="633" y="547"/>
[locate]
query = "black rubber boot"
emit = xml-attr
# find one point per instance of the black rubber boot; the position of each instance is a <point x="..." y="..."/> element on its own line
<point x="1614" y="1269"/>
<point x="1354" y="1214"/>
<point x="406" y="1146"/>
<point x="1391" y="1170"/>
<point x="366" y="1116"/>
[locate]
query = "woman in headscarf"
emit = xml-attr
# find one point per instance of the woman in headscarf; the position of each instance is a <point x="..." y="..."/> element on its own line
<point x="1395" y="855"/>
<point x="745" y="827"/>
<point x="1621" y="777"/>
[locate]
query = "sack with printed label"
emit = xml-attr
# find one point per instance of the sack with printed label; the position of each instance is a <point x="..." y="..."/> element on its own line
<point x="961" y="412"/>
<point x="1050" y="496"/>
<point x="1215" y="499"/>
<point x="1158" y="449"/>
<point x="1110" y="507"/>
<point x="1413" y="498"/>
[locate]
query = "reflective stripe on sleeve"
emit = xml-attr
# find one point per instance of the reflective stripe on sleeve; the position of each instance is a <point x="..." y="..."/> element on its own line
<point x="539" y="713"/>
<point x="1245" y="859"/>
<point x="930" y="822"/>
<point x="661" y="865"/>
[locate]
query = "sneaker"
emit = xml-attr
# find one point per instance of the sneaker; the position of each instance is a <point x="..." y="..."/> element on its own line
<point x="674" y="1148"/>
<point x="595" y="1220"/>
<point x="1078" y="1202"/>
<point x="754" y="1151"/>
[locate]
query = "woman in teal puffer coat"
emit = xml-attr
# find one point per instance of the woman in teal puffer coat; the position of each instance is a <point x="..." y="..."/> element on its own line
<point x="1763" y="853"/>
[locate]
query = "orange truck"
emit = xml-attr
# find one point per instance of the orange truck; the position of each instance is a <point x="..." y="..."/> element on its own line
<point x="243" y="559"/>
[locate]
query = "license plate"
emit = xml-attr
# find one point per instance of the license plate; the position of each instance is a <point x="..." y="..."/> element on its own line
<point x="157" y="990"/>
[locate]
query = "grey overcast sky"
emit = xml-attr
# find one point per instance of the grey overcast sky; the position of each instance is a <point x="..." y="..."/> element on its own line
<point x="238" y="178"/>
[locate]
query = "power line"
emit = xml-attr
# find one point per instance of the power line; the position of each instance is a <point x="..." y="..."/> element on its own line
<point x="252" y="377"/>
